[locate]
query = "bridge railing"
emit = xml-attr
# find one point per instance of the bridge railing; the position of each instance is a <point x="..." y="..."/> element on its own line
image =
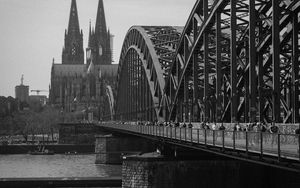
<point x="261" y="143"/>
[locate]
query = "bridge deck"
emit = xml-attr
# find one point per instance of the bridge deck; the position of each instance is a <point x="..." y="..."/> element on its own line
<point x="284" y="148"/>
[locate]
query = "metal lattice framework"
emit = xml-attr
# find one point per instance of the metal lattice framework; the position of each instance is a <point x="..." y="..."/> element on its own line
<point x="237" y="60"/>
<point x="146" y="57"/>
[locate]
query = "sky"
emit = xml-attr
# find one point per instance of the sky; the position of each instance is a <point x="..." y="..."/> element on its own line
<point x="32" y="32"/>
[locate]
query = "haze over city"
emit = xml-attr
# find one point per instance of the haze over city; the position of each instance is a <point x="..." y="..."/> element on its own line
<point x="32" y="32"/>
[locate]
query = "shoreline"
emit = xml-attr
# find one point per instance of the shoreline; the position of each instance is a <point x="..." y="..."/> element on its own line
<point x="57" y="148"/>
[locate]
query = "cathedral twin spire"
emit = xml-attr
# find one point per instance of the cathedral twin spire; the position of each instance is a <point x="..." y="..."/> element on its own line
<point x="73" y="19"/>
<point x="99" y="40"/>
<point x="73" y="49"/>
<point x="100" y="20"/>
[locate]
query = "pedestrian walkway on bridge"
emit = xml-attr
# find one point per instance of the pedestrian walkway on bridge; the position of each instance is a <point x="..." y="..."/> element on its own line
<point x="281" y="150"/>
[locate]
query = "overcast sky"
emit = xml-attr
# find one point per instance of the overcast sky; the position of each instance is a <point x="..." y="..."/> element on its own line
<point x="32" y="32"/>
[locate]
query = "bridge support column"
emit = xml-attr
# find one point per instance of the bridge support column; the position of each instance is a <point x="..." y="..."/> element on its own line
<point x="109" y="149"/>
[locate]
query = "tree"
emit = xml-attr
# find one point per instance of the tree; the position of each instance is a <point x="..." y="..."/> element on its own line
<point x="32" y="123"/>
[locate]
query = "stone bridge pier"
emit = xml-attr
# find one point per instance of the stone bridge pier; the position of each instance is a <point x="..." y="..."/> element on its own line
<point x="111" y="148"/>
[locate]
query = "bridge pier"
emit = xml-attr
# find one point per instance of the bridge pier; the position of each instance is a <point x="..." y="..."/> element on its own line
<point x="109" y="149"/>
<point x="155" y="170"/>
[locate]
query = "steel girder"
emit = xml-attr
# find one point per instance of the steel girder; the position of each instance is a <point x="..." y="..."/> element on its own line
<point x="145" y="60"/>
<point x="237" y="60"/>
<point x="109" y="103"/>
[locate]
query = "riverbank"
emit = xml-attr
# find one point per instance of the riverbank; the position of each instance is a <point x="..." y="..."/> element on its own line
<point x="57" y="148"/>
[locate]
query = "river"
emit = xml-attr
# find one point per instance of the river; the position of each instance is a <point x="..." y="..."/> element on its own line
<point x="41" y="166"/>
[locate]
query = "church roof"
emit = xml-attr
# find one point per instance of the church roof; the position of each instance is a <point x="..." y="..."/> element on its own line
<point x="81" y="70"/>
<point x="69" y="70"/>
<point x="109" y="70"/>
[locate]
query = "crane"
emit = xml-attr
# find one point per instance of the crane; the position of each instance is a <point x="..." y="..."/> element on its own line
<point x="38" y="91"/>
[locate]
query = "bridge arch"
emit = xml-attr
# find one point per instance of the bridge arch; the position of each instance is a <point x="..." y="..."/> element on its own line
<point x="146" y="57"/>
<point x="237" y="60"/>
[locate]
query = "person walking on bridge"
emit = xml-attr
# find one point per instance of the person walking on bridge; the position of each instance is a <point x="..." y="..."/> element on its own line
<point x="274" y="133"/>
<point x="215" y="133"/>
<point x="297" y="132"/>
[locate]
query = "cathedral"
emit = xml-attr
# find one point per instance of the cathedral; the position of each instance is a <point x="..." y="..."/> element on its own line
<point x="77" y="84"/>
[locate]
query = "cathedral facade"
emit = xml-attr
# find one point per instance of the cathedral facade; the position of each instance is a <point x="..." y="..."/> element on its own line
<point x="75" y="84"/>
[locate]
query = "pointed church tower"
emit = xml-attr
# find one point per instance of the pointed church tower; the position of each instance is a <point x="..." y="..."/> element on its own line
<point x="73" y="49"/>
<point x="100" y="20"/>
<point x="100" y="46"/>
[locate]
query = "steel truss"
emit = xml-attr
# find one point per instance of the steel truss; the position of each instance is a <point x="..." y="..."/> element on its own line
<point x="146" y="57"/>
<point x="237" y="60"/>
<point x="108" y="103"/>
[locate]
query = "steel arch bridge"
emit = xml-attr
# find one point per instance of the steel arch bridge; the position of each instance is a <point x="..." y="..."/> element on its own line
<point x="235" y="60"/>
<point x="146" y="57"/>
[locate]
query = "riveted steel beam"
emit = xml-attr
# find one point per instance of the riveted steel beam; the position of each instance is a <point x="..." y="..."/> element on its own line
<point x="233" y="59"/>
<point x="252" y="61"/>
<point x="218" y="68"/>
<point x="276" y="60"/>
<point x="295" y="69"/>
<point x="206" y="65"/>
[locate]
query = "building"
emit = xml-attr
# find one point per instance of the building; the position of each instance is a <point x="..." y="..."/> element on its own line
<point x="36" y="102"/>
<point x="99" y="44"/>
<point x="22" y="92"/>
<point x="77" y="85"/>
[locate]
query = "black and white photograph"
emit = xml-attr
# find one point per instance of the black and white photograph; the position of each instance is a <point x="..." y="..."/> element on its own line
<point x="150" y="93"/>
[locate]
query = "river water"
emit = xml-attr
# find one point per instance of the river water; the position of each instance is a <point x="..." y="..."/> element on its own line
<point x="41" y="166"/>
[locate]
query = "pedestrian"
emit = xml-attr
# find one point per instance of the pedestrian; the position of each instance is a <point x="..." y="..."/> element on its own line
<point x="236" y="128"/>
<point x="274" y="130"/>
<point x="249" y="129"/>
<point x="263" y="127"/>
<point x="222" y="127"/>
<point x="214" y="128"/>
<point x="297" y="132"/>
<point x="206" y="126"/>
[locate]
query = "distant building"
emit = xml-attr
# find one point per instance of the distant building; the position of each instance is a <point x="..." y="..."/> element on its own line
<point x="76" y="85"/>
<point x="36" y="102"/>
<point x="22" y="92"/>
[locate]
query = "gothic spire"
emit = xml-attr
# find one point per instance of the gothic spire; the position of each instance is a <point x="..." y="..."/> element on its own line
<point x="73" y="48"/>
<point x="73" y="19"/>
<point x="100" y="21"/>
